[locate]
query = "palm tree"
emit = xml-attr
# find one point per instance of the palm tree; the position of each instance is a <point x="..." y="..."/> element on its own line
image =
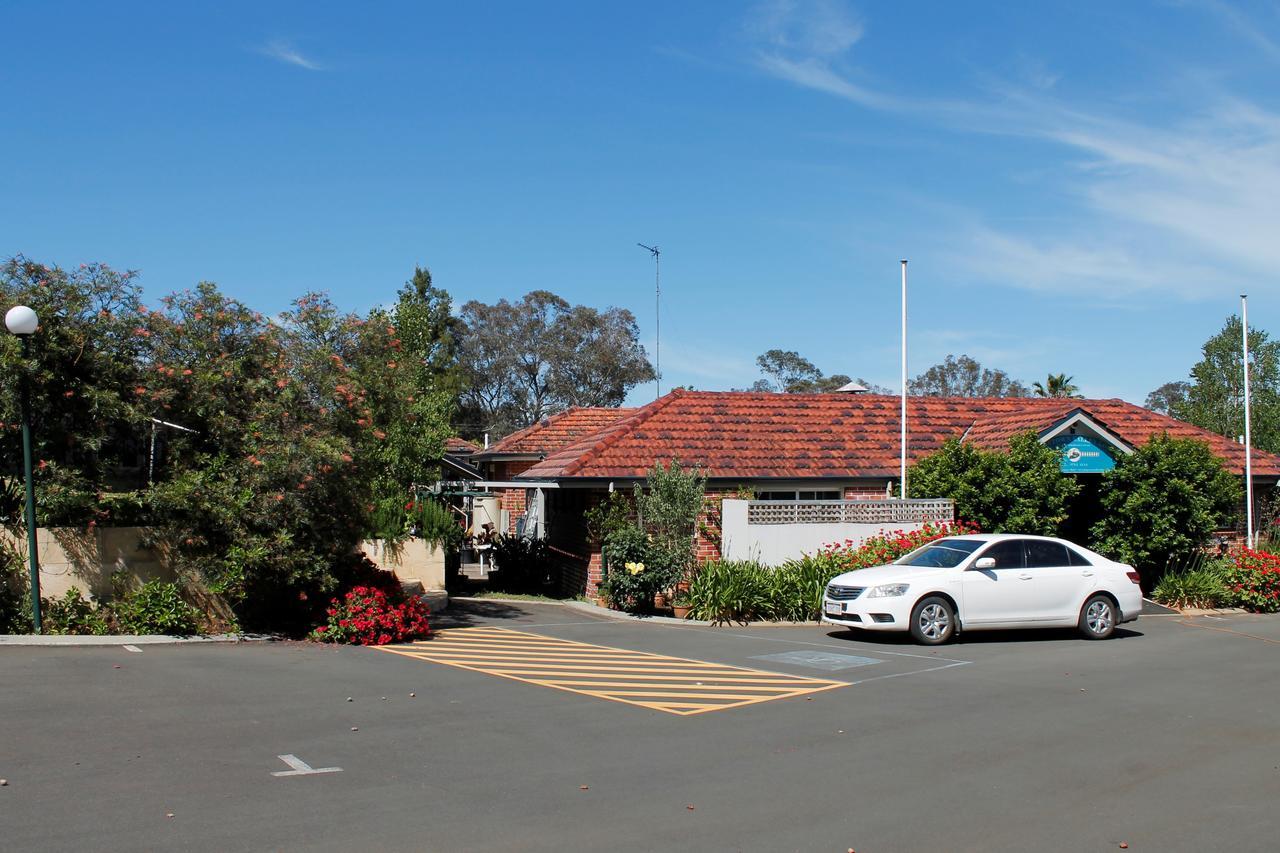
<point x="1057" y="385"/>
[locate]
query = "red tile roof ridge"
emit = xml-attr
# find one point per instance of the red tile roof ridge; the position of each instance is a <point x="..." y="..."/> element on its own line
<point x="602" y="440"/>
<point x="504" y="444"/>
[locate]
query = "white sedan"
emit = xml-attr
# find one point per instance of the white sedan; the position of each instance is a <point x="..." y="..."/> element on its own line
<point x="979" y="582"/>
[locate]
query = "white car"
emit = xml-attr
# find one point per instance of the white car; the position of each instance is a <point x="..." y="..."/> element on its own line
<point x="978" y="582"/>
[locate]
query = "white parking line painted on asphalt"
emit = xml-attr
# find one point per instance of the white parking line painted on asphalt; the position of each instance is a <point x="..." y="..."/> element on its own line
<point x="301" y="768"/>
<point x="135" y="649"/>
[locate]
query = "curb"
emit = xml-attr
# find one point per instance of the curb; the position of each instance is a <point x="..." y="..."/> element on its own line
<point x="609" y="613"/>
<point x="56" y="640"/>
<point x="487" y="598"/>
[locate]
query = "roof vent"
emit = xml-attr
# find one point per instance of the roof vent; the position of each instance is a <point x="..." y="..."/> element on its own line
<point x="852" y="388"/>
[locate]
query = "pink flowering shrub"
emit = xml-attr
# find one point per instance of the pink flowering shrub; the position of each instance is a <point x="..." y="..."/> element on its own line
<point x="887" y="547"/>
<point x="367" y="617"/>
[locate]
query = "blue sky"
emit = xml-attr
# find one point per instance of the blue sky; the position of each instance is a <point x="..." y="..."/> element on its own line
<point x="1082" y="187"/>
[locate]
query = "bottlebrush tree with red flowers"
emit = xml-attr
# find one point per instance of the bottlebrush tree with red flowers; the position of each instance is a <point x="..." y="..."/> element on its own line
<point x="367" y="616"/>
<point x="301" y="427"/>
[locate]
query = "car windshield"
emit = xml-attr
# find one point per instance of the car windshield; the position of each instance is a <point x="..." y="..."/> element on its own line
<point x="943" y="554"/>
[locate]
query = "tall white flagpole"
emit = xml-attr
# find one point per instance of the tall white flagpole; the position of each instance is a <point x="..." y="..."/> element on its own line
<point x="1248" y="438"/>
<point x="903" y="472"/>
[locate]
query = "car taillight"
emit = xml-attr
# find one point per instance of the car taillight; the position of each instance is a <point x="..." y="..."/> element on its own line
<point x="1134" y="576"/>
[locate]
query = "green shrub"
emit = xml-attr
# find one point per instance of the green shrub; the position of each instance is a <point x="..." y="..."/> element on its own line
<point x="523" y="565"/>
<point x="1162" y="503"/>
<point x="437" y="524"/>
<point x="15" y="600"/>
<point x="731" y="591"/>
<point x="1200" y="583"/>
<point x="797" y="587"/>
<point x="1021" y="491"/>
<point x="155" y="608"/>
<point x="742" y="590"/>
<point x="73" y="614"/>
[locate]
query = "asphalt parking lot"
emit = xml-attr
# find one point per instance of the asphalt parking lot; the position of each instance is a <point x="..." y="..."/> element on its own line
<point x="538" y="727"/>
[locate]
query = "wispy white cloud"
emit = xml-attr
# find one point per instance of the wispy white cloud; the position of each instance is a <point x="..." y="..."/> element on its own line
<point x="283" y="50"/>
<point x="1185" y="203"/>
<point x="1239" y="23"/>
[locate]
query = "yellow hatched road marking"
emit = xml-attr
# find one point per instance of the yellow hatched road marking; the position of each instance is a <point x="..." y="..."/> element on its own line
<point x="649" y="680"/>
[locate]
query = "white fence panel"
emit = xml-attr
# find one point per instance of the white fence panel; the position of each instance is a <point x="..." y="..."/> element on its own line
<point x="776" y="531"/>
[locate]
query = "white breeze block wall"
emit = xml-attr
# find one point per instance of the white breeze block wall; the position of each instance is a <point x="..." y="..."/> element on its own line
<point x="774" y="544"/>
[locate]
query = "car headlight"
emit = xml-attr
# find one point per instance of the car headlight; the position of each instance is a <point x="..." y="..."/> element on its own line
<point x="889" y="590"/>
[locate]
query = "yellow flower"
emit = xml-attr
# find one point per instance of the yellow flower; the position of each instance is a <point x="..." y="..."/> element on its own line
<point x="634" y="568"/>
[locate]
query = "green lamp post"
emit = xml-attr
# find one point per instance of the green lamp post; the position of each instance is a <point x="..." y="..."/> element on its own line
<point x="23" y="322"/>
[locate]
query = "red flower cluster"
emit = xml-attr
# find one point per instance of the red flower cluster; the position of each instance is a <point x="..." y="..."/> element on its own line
<point x="1254" y="578"/>
<point x="889" y="546"/>
<point x="367" y="617"/>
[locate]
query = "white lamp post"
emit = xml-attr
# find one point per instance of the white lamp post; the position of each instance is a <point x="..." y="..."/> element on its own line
<point x="23" y="322"/>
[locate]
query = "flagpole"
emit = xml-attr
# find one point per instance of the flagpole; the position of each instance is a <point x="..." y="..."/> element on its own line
<point x="903" y="443"/>
<point x="1248" y="438"/>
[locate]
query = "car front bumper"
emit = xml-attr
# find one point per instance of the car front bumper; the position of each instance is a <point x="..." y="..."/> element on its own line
<point x="873" y="614"/>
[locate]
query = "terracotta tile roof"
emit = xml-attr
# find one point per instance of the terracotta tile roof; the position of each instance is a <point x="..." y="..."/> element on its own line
<point x="460" y="446"/>
<point x="556" y="431"/>
<point x="993" y="431"/>
<point x="744" y="435"/>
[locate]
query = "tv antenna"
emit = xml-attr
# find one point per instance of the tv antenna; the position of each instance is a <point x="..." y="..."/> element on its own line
<point x="657" y="314"/>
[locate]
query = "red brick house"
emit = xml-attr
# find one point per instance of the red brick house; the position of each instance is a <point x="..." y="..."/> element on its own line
<point x="518" y="452"/>
<point x="806" y="447"/>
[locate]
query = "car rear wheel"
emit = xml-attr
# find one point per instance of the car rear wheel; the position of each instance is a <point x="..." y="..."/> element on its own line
<point x="1098" y="618"/>
<point x="933" y="621"/>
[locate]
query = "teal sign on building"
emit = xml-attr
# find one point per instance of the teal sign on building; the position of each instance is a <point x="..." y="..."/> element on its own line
<point x="1083" y="455"/>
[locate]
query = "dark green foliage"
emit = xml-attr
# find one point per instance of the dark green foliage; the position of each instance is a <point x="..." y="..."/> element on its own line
<point x="523" y="566"/>
<point x="1162" y="502"/>
<point x="156" y="607"/>
<point x="792" y="373"/>
<point x="628" y="587"/>
<point x="965" y="377"/>
<point x="73" y="614"/>
<point x="525" y="360"/>
<point x="731" y="591"/>
<point x="15" y="597"/>
<point x="1021" y="491"/>
<point x="438" y="524"/>
<point x="1199" y="582"/>
<point x="1214" y="398"/>
<point x="615" y="512"/>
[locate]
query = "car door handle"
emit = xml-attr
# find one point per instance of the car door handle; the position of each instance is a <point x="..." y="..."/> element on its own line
<point x="1087" y="574"/>
<point x="1025" y="577"/>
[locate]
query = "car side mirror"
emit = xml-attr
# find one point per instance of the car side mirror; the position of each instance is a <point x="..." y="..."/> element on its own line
<point x="985" y="563"/>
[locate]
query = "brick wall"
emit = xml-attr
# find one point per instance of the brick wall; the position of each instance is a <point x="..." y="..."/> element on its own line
<point x="869" y="491"/>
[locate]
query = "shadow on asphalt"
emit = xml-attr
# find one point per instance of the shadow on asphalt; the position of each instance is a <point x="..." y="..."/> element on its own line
<point x="466" y="614"/>
<point x="976" y="638"/>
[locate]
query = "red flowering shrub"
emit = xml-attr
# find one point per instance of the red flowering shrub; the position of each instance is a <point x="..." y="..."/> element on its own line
<point x="1253" y="581"/>
<point x="367" y="617"/>
<point x="887" y="547"/>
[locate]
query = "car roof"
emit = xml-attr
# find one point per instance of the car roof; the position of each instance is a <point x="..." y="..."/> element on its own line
<point x="996" y="537"/>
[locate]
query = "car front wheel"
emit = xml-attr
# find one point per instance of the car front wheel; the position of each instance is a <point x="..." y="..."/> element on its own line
<point x="933" y="621"/>
<point x="1098" y="618"/>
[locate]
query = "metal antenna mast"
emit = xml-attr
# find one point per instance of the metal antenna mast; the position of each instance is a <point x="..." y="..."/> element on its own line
<point x="657" y="314"/>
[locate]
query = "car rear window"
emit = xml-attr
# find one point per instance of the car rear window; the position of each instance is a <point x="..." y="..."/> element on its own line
<point x="1077" y="559"/>
<point x="1041" y="554"/>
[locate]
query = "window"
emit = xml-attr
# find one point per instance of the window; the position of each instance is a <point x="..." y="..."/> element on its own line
<point x="798" y="495"/>
<point x="943" y="554"/>
<point x="1043" y="555"/>
<point x="1075" y="558"/>
<point x="1007" y="554"/>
